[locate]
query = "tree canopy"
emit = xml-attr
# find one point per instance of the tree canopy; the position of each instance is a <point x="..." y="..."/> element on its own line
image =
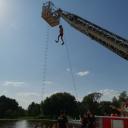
<point x="60" y="101"/>
<point x="9" y="108"/>
<point x="52" y="105"/>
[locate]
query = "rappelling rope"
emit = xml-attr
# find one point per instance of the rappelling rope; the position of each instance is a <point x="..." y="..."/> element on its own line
<point x="71" y="70"/>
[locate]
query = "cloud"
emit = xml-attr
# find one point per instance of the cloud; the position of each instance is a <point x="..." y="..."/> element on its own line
<point x="28" y="94"/>
<point x="4" y="92"/>
<point x="13" y="83"/>
<point x="48" y="82"/>
<point x="68" y="70"/>
<point x="26" y="98"/>
<point x="108" y="94"/>
<point x="83" y="73"/>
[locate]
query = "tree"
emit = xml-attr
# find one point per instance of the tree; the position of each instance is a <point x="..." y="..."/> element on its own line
<point x="8" y="107"/>
<point x="60" y="101"/>
<point x="21" y="112"/>
<point x="34" y="109"/>
<point x="115" y="102"/>
<point x="123" y="96"/>
<point x="91" y="101"/>
<point x="104" y="108"/>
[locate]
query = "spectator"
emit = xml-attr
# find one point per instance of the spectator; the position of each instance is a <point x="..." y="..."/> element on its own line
<point x="91" y="120"/>
<point x="62" y="121"/>
<point x="84" y="120"/>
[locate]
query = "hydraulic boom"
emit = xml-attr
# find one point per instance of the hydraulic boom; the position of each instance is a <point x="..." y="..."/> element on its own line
<point x="108" y="39"/>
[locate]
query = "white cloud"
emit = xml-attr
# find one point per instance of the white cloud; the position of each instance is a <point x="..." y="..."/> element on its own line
<point x="26" y="98"/>
<point x="108" y="94"/>
<point x="4" y="92"/>
<point x="28" y="94"/>
<point x="48" y="82"/>
<point x="82" y="73"/>
<point x="68" y="69"/>
<point x="13" y="83"/>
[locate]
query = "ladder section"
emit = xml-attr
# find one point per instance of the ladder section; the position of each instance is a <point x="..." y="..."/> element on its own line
<point x="110" y="40"/>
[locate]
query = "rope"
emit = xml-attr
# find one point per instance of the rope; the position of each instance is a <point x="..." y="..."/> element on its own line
<point x="71" y="70"/>
<point x="46" y="44"/>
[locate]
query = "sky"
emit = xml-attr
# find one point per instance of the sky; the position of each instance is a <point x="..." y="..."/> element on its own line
<point x="23" y="36"/>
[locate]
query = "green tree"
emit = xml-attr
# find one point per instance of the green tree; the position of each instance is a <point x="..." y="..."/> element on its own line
<point x="8" y="107"/>
<point x="21" y="112"/>
<point x="91" y="102"/>
<point x="104" y="108"/>
<point x="115" y="102"/>
<point x="60" y="101"/>
<point x="34" y="109"/>
<point x="123" y="96"/>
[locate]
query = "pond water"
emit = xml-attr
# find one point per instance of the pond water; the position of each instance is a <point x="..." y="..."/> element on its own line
<point x="33" y="124"/>
<point x="19" y="124"/>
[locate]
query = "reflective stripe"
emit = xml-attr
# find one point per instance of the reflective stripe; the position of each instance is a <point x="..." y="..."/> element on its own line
<point x="117" y="124"/>
<point x="111" y="122"/>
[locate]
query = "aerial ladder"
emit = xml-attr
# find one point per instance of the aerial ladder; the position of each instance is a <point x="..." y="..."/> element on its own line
<point x="108" y="39"/>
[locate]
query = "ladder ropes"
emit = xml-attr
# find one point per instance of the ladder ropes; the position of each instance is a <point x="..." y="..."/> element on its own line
<point x="46" y="44"/>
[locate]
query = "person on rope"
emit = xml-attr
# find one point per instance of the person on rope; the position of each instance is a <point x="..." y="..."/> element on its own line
<point x="61" y="33"/>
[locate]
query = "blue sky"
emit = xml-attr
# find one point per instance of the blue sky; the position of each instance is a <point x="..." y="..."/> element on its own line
<point x="22" y="42"/>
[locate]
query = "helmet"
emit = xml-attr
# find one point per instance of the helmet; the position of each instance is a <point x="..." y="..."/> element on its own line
<point x="60" y="26"/>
